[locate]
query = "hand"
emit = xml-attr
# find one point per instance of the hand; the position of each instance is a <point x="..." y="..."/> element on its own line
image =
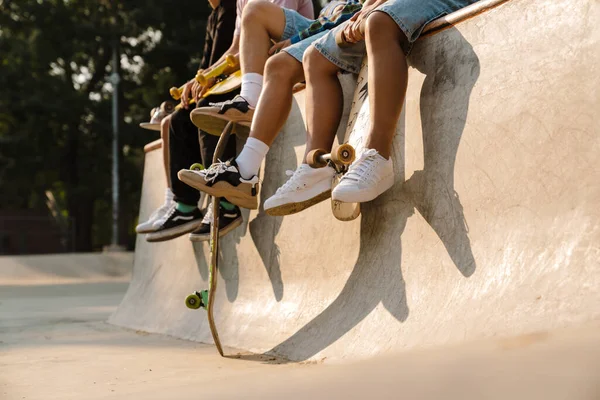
<point x="277" y="47"/>
<point x="196" y="90"/>
<point x="352" y="29"/>
<point x="186" y="94"/>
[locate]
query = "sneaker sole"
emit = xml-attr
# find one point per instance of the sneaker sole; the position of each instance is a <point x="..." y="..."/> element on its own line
<point x="293" y="208"/>
<point x="205" y="238"/>
<point x="214" y="123"/>
<point x="147" y="230"/>
<point x="223" y="189"/>
<point x="173" y="233"/>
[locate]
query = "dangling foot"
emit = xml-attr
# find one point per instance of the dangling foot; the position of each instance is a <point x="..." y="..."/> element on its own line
<point x="306" y="187"/>
<point x="229" y="219"/>
<point x="223" y="179"/>
<point x="367" y="178"/>
<point x="176" y="224"/>
<point x="152" y="224"/>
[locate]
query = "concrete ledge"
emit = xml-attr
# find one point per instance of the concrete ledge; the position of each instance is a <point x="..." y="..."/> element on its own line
<point x="490" y="230"/>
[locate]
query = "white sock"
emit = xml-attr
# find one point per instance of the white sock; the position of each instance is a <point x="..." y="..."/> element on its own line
<point x="251" y="86"/>
<point x="251" y="157"/>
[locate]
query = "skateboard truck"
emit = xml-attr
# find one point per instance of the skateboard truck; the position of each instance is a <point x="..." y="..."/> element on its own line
<point x="340" y="158"/>
<point x="197" y="300"/>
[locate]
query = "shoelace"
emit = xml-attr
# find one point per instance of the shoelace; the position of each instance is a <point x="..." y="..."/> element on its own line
<point x="290" y="183"/>
<point x="208" y="217"/>
<point x="360" y="169"/>
<point x="222" y="103"/>
<point x="214" y="170"/>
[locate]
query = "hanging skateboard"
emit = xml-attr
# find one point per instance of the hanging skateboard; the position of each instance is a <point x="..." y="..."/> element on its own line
<point x="342" y="156"/>
<point x="206" y="298"/>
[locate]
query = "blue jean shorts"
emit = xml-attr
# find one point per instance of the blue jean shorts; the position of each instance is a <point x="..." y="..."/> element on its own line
<point x="294" y="23"/>
<point x="410" y="15"/>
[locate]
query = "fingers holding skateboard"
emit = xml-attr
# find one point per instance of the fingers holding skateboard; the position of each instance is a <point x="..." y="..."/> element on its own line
<point x="186" y="93"/>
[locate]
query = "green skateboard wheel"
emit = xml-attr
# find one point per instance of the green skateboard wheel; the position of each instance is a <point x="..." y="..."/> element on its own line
<point x="193" y="301"/>
<point x="197" y="167"/>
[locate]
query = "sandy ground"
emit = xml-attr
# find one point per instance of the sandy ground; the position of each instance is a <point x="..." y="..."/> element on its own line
<point x="54" y="344"/>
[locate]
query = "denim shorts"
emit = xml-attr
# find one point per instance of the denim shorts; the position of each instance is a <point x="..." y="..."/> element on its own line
<point x="294" y="23"/>
<point x="410" y="15"/>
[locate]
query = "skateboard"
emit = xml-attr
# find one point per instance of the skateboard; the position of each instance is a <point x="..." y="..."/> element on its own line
<point x="230" y="65"/>
<point x="342" y="156"/>
<point x="157" y="114"/>
<point x="229" y="84"/>
<point x="206" y="298"/>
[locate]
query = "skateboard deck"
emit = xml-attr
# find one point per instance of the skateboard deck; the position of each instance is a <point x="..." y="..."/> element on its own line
<point x="354" y="137"/>
<point x="206" y="298"/>
<point x="356" y="133"/>
<point x="231" y="83"/>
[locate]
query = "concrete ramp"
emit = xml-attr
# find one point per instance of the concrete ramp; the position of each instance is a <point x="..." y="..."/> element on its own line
<point x="492" y="228"/>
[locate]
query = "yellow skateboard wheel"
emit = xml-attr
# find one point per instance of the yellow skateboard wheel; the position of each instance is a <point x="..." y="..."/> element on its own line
<point x="343" y="154"/>
<point x="314" y="158"/>
<point x="197" y="167"/>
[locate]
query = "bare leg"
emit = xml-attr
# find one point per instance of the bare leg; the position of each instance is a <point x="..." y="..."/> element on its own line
<point x="388" y="79"/>
<point x="324" y="100"/>
<point x="261" y="21"/>
<point x="164" y="134"/>
<point x="281" y="73"/>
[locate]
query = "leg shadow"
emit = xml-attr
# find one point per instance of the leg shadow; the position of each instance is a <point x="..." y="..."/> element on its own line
<point x="263" y="229"/>
<point x="452" y="69"/>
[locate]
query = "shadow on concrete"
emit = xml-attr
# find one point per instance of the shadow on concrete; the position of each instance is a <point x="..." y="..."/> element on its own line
<point x="451" y="68"/>
<point x="263" y="229"/>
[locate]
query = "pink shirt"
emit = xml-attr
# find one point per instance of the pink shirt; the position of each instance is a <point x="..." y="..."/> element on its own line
<point x="304" y="8"/>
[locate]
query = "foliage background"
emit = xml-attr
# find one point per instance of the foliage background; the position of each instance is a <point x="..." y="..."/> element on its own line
<point x="55" y="102"/>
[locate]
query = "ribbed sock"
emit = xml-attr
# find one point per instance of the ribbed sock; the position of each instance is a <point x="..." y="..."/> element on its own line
<point x="184" y="208"/>
<point x="251" y="87"/>
<point x="251" y="157"/>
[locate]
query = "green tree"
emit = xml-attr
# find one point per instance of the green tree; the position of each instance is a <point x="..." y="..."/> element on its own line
<point x="55" y="110"/>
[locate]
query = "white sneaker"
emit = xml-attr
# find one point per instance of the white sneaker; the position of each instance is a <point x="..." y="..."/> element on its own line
<point x="367" y="178"/>
<point x="151" y="224"/>
<point x="306" y="187"/>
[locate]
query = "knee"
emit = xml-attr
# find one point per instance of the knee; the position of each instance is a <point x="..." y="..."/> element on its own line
<point x="282" y="68"/>
<point x="253" y="11"/>
<point x="314" y="62"/>
<point x="380" y="27"/>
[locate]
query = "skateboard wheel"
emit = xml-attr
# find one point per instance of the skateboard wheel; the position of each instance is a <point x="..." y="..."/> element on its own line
<point x="343" y="154"/>
<point x="193" y="301"/>
<point x="201" y="79"/>
<point x="153" y="111"/>
<point x="175" y="93"/>
<point x="197" y="167"/>
<point x="167" y="106"/>
<point x="314" y="158"/>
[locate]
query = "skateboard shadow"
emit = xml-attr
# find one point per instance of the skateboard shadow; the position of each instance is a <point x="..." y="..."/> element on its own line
<point x="451" y="68"/>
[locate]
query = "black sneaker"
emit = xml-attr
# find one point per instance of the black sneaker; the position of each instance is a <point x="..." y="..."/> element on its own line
<point x="236" y="110"/>
<point x="223" y="179"/>
<point x="176" y="224"/>
<point x="228" y="221"/>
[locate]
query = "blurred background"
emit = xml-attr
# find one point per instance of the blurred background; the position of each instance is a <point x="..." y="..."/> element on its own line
<point x="56" y="127"/>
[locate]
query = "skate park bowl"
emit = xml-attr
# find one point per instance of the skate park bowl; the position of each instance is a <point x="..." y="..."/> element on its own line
<point x="491" y="229"/>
